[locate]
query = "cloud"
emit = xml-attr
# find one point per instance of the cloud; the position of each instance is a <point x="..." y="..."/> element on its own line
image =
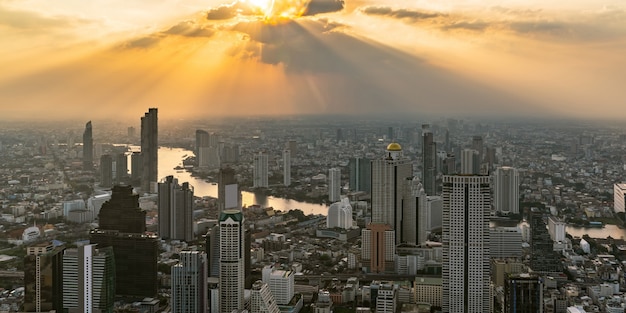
<point x="324" y="6"/>
<point x="228" y="11"/>
<point x="307" y="8"/>
<point x="400" y="13"/>
<point x="191" y="29"/>
<point x="27" y="20"/>
<point x="143" y="42"/>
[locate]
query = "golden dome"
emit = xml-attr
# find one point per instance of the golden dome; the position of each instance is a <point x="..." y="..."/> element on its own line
<point x="394" y="146"/>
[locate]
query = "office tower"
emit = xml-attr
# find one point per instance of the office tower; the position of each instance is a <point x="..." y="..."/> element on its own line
<point x="261" y="299"/>
<point x="506" y="190"/>
<point x="202" y="140"/>
<point x="543" y="259"/>
<point x="106" y="170"/>
<point x="334" y="184"/>
<point x="469" y="161"/>
<point x="466" y="210"/>
<point x="386" y="298"/>
<point x="228" y="194"/>
<point x="88" y="279"/>
<point x="449" y="165"/>
<point x="388" y="176"/>
<point x="212" y="250"/>
<point x="149" y="150"/>
<point x="189" y="283"/>
<point x="415" y="213"/>
<point x="360" y="174"/>
<point x="209" y="157"/>
<point x="505" y="242"/>
<point x="378" y="248"/>
<point x="136" y="257"/>
<point x="292" y="146"/>
<point x="175" y="210"/>
<point x="324" y="303"/>
<point x="619" y="197"/>
<point x="428" y="290"/>
<point x="88" y="147"/>
<point x="122" y="212"/>
<point x="136" y="166"/>
<point x="390" y="134"/>
<point x="260" y="171"/>
<point x="447" y="141"/>
<point x="231" y="260"/>
<point x="339" y="215"/>
<point x="280" y="282"/>
<point x="435" y="211"/>
<point x="490" y="156"/>
<point x="121" y="168"/>
<point x="286" y="167"/>
<point x="523" y="293"/>
<point x="230" y="154"/>
<point x="429" y="166"/>
<point x="130" y="132"/>
<point x="43" y="278"/>
<point x="477" y="144"/>
<point x="556" y="229"/>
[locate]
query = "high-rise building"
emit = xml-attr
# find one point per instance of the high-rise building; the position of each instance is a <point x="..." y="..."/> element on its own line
<point x="387" y="298"/>
<point x="543" y="259"/>
<point x="261" y="299"/>
<point x="122" y="212"/>
<point x="136" y="167"/>
<point x="360" y="174"/>
<point x="189" y="283"/>
<point x="523" y="293"/>
<point x="334" y="184"/>
<point x="175" y="210"/>
<point x="378" y="248"/>
<point x="340" y="215"/>
<point x="130" y="132"/>
<point x="280" y="282"/>
<point x="466" y="210"/>
<point x="231" y="280"/>
<point x="556" y="229"/>
<point x="292" y="146"/>
<point x="202" y="140"/>
<point x="429" y="165"/>
<point x="43" y="278"/>
<point x="619" y="198"/>
<point x="149" y="150"/>
<point x="121" y="168"/>
<point x="228" y="194"/>
<point x="106" y="170"/>
<point x="389" y="174"/>
<point x="88" y="280"/>
<point x="212" y="249"/>
<point x="506" y="190"/>
<point x="260" y="171"/>
<point x="477" y="145"/>
<point x="415" y="212"/>
<point x="469" y="162"/>
<point x="505" y="242"/>
<point x="286" y="167"/>
<point x="88" y="147"/>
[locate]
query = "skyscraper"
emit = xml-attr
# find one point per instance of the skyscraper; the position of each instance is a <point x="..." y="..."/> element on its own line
<point x="260" y="171"/>
<point x="228" y="195"/>
<point x="334" y="184"/>
<point x="477" y="144"/>
<point x="43" y="278"/>
<point x="378" y="248"/>
<point x="189" y="283"/>
<point x="429" y="162"/>
<point x="121" y="168"/>
<point x="88" y="280"/>
<point x="280" y="282"/>
<point x="88" y="147"/>
<point x="469" y="162"/>
<point x="231" y="279"/>
<point x="149" y="150"/>
<point x="261" y="299"/>
<point x="466" y="210"/>
<point x="360" y="174"/>
<point x="340" y="215"/>
<point x="286" y="167"/>
<point x="506" y="190"/>
<point x="202" y="140"/>
<point x="122" y="212"/>
<point x="106" y="170"/>
<point x="389" y="174"/>
<point x="415" y="212"/>
<point x="175" y="210"/>
<point x="136" y="167"/>
<point x="523" y="293"/>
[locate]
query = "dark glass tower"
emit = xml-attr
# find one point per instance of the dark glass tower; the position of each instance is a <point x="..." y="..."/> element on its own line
<point x="523" y="293"/>
<point x="106" y="170"/>
<point x="88" y="147"/>
<point x="361" y="174"/>
<point x="429" y="162"/>
<point x="43" y="279"/>
<point x="149" y="149"/>
<point x="122" y="213"/>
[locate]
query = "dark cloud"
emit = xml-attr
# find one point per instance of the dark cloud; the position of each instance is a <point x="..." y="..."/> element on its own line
<point x="324" y="6"/>
<point x="468" y="25"/>
<point x="143" y="42"/>
<point x="191" y="29"/>
<point x="400" y="13"/>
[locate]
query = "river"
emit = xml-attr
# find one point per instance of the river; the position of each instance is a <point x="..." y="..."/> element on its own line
<point x="608" y="230"/>
<point x="169" y="158"/>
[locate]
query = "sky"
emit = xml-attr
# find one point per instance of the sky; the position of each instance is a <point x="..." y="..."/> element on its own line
<point x="68" y="59"/>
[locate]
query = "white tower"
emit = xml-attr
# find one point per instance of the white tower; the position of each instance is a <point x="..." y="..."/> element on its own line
<point x="189" y="283"/>
<point x="334" y="184"/>
<point x="260" y="176"/>
<point x="340" y="214"/>
<point x="506" y="190"/>
<point x="231" y="281"/>
<point x="466" y="210"/>
<point x="261" y="299"/>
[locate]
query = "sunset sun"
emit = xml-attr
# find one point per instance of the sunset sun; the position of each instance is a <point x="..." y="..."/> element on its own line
<point x="275" y="10"/>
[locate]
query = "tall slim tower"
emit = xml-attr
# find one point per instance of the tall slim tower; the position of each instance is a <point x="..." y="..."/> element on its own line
<point x="466" y="210"/>
<point x="202" y="140"/>
<point x="175" y="209"/>
<point x="388" y="176"/>
<point x="228" y="195"/>
<point x="121" y="168"/>
<point x="429" y="162"/>
<point x="43" y="278"/>
<point x="260" y="171"/>
<point x="361" y="174"/>
<point x="286" y="167"/>
<point x="189" y="283"/>
<point x="506" y="190"/>
<point x="88" y="147"/>
<point x="149" y="150"/>
<point x="106" y="170"/>
<point x="334" y="184"/>
<point x="232" y="255"/>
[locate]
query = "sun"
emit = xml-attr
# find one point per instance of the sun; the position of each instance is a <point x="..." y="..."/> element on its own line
<point x="277" y="10"/>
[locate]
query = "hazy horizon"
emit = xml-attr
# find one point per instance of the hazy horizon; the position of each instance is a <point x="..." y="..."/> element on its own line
<point x="71" y="60"/>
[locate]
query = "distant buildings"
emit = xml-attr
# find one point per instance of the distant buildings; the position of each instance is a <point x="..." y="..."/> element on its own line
<point x="88" y="147"/>
<point x="260" y="171"/>
<point x="175" y="210"/>
<point x="506" y="190"/>
<point x="189" y="283"/>
<point x="334" y="184"/>
<point x="466" y="210"/>
<point x="149" y="150"/>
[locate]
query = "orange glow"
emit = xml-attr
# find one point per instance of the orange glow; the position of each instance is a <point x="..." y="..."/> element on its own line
<point x="274" y="11"/>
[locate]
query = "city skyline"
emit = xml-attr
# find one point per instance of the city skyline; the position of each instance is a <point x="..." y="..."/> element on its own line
<point x="68" y="59"/>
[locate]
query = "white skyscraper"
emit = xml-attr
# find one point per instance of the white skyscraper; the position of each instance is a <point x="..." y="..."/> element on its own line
<point x="286" y="167"/>
<point x="261" y="299"/>
<point x="334" y="184"/>
<point x="469" y="161"/>
<point x="340" y="214"/>
<point x="260" y="171"/>
<point x="619" y="197"/>
<point x="389" y="176"/>
<point x="506" y="190"/>
<point x="556" y="229"/>
<point x="175" y="210"/>
<point x="189" y="283"/>
<point x="231" y="281"/>
<point x="280" y="282"/>
<point x="466" y="210"/>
